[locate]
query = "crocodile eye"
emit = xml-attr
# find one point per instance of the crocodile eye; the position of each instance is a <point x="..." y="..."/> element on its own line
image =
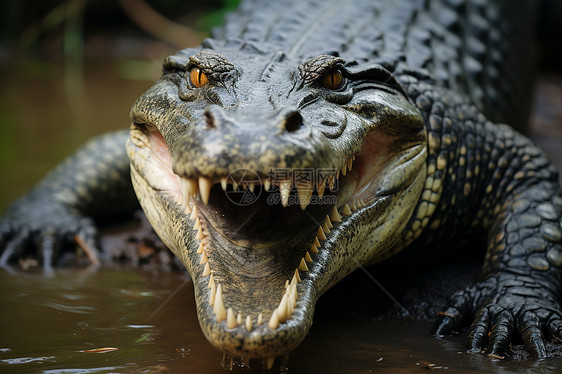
<point x="198" y="78"/>
<point x="332" y="80"/>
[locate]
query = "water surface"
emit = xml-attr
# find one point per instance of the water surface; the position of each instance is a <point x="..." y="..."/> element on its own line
<point x="48" y="322"/>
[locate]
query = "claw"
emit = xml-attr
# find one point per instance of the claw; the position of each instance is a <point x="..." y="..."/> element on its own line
<point x="91" y="251"/>
<point x="14" y="246"/>
<point x="555" y="329"/>
<point x="447" y="321"/>
<point x="501" y="335"/>
<point x="529" y="325"/>
<point x="86" y="239"/>
<point x="443" y="327"/>
<point x="478" y="334"/>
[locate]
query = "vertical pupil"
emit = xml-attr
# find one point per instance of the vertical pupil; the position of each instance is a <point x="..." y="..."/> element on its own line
<point x="199" y="76"/>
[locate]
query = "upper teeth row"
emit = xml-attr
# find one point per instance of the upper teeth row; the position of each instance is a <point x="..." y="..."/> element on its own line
<point x="203" y="185"/>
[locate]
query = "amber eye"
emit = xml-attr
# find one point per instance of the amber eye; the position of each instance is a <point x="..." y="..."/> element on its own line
<point x="332" y="80"/>
<point x="198" y="78"/>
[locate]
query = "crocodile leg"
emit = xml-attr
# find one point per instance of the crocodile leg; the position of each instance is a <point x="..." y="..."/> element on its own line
<point x="92" y="183"/>
<point x="520" y="293"/>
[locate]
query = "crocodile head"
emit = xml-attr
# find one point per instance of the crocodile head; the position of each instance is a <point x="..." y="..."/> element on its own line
<point x="272" y="177"/>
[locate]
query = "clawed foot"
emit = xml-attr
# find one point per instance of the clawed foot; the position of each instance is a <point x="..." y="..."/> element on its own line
<point x="43" y="234"/>
<point x="505" y="308"/>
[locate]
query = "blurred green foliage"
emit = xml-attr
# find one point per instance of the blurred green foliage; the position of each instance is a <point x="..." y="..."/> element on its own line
<point x="215" y="18"/>
<point x="37" y="21"/>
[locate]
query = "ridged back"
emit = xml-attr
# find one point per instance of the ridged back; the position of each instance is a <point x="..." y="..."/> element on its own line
<point x="484" y="49"/>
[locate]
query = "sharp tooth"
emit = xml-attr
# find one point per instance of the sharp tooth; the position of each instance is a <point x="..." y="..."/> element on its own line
<point x="282" y="309"/>
<point x="269" y="362"/>
<point x="325" y="228"/>
<point x="203" y="258"/>
<point x="346" y="211"/>
<point x="199" y="235"/>
<point x="251" y="186"/>
<point x="248" y="323"/>
<point x="305" y="191"/>
<point x="267" y="184"/>
<point x="239" y="319"/>
<point x="285" y="190"/>
<point x="207" y="270"/>
<point x="230" y="319"/>
<point x="223" y="184"/>
<point x="321" y="234"/>
<point x="287" y="284"/>
<point x="297" y="276"/>
<point x="205" y="185"/>
<point x="320" y="187"/>
<point x="260" y="319"/>
<point x="211" y="282"/>
<point x="200" y="249"/>
<point x="184" y="184"/>
<point x="316" y="242"/>
<point x="307" y="257"/>
<point x="244" y="186"/>
<point x="194" y="213"/>
<point x="190" y="186"/>
<point x="349" y="164"/>
<point x="274" y="320"/>
<point x="344" y="170"/>
<point x="290" y="306"/>
<point x="213" y="294"/>
<point x="218" y="308"/>
<point x="197" y="224"/>
<point x="328" y="222"/>
<point x="313" y="248"/>
<point x="338" y="174"/>
<point x="293" y="292"/>
<point x="302" y="265"/>
<point x="234" y="186"/>
<point x="292" y="299"/>
<point x="335" y="216"/>
<point x="294" y="281"/>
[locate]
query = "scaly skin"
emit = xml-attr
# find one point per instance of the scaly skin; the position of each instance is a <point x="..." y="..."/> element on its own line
<point x="390" y="104"/>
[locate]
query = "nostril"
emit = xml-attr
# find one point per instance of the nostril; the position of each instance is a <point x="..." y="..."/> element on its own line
<point x="293" y="121"/>
<point x="211" y="117"/>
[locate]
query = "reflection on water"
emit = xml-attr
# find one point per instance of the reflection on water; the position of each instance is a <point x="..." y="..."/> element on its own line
<point x="57" y="324"/>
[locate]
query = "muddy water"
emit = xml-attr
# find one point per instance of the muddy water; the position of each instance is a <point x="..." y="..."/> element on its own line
<point x="48" y="323"/>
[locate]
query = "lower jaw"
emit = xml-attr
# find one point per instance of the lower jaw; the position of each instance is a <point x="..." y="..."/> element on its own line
<point x="262" y="342"/>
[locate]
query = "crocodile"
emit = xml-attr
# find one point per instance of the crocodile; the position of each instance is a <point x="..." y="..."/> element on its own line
<point x="308" y="138"/>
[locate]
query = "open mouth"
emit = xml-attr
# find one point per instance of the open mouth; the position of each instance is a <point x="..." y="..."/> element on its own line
<point x="258" y="245"/>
